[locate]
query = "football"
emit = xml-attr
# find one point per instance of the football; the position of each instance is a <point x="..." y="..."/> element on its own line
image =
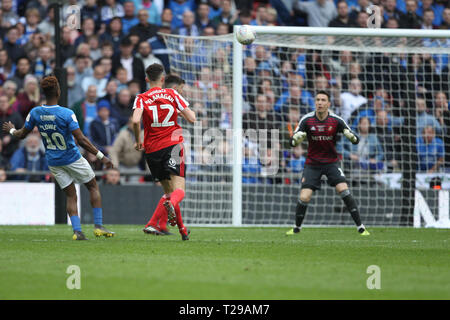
<point x="245" y="35"/>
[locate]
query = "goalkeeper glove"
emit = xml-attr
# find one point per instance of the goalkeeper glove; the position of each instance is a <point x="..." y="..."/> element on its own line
<point x="297" y="138"/>
<point x="350" y="136"/>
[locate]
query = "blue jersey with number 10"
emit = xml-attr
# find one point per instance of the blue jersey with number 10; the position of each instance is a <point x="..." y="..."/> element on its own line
<point x="55" y="124"/>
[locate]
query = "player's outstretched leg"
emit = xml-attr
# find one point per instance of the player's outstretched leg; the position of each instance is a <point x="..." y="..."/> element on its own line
<point x="300" y="210"/>
<point x="71" y="207"/>
<point x="350" y="203"/>
<point x="96" y="203"/>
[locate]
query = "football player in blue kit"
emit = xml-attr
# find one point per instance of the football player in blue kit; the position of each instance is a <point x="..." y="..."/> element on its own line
<point x="58" y="126"/>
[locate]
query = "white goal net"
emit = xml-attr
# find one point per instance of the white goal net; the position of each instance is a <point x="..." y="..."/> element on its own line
<point x="392" y="90"/>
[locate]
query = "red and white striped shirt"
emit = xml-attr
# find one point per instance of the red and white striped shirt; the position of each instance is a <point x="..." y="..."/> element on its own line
<point x="160" y="106"/>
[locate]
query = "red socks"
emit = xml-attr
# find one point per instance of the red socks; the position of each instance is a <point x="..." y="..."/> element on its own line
<point x="176" y="196"/>
<point x="160" y="212"/>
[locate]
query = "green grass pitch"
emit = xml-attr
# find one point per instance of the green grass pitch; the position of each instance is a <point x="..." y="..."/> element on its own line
<point x="225" y="263"/>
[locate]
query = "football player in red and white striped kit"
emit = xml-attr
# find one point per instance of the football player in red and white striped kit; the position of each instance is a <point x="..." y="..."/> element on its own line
<point x="163" y="145"/>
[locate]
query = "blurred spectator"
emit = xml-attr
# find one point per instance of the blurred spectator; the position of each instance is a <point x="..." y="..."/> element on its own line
<point x="178" y="7"/>
<point x="47" y="25"/>
<point x="97" y="79"/>
<point x="428" y="17"/>
<point x="123" y="154"/>
<point x="251" y="167"/>
<point x="244" y="17"/>
<point x="392" y="23"/>
<point x="411" y="19"/>
<point x="30" y="158"/>
<point x="351" y="100"/>
<point x="388" y="140"/>
<point x="430" y="151"/>
<point x="166" y="18"/>
<point x="154" y="13"/>
<point x="129" y="19"/>
<point x="29" y="98"/>
<point x="135" y="88"/>
<point x="361" y="19"/>
<point x="3" y="176"/>
<point x="260" y="16"/>
<point x="261" y="117"/>
<point x="95" y="52"/>
<point x="6" y="66"/>
<point x="435" y="7"/>
<point x="225" y="15"/>
<point x="368" y="153"/>
<point x="110" y="10"/>
<point x="145" y="54"/>
<point x="113" y="34"/>
<point x="215" y="8"/>
<point x="342" y="20"/>
<point x="74" y="91"/>
<point x="33" y="17"/>
<point x="446" y="19"/>
<point x="86" y="110"/>
<point x="82" y="68"/>
<point x="295" y="95"/>
<point x="296" y="161"/>
<point x="103" y="128"/>
<point x="144" y="28"/>
<point x="424" y="119"/>
<point x="391" y="11"/>
<point x="107" y="66"/>
<point x="134" y="66"/>
<point x="159" y="47"/>
<point x="442" y="113"/>
<point x="202" y="19"/>
<point x="122" y="109"/>
<point x="10" y="143"/>
<point x="43" y="64"/>
<point x="67" y="48"/>
<point x="92" y="11"/>
<point x="112" y="177"/>
<point x="226" y="114"/>
<point x="14" y="50"/>
<point x="10" y="90"/>
<point x="188" y="27"/>
<point x="87" y="31"/>
<point x="9" y="16"/>
<point x="320" y="12"/>
<point x="362" y="6"/>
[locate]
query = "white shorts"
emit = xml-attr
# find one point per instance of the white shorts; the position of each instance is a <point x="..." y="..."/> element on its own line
<point x="79" y="171"/>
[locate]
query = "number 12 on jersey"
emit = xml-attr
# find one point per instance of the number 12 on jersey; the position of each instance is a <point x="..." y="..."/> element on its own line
<point x="166" y="122"/>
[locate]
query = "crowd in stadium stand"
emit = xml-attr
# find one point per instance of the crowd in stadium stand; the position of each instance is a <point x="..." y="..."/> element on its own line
<point x="106" y="59"/>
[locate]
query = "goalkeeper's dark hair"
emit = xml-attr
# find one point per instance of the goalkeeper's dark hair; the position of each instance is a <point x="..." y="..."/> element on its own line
<point x="154" y="72"/>
<point x="173" y="80"/>
<point x="323" y="92"/>
<point x="50" y="87"/>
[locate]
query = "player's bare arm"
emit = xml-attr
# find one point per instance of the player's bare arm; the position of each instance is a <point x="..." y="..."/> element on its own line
<point x="18" y="133"/>
<point x="137" y="116"/>
<point x="84" y="142"/>
<point x="188" y="114"/>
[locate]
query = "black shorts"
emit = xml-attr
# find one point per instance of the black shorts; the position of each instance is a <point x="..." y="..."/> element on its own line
<point x="312" y="175"/>
<point x="166" y="162"/>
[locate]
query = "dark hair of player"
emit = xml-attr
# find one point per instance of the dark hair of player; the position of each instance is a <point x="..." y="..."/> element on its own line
<point x="323" y="92"/>
<point x="154" y="72"/>
<point x="50" y="87"/>
<point x="171" y="80"/>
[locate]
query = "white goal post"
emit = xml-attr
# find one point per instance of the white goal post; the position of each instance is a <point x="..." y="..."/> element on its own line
<point x="392" y="71"/>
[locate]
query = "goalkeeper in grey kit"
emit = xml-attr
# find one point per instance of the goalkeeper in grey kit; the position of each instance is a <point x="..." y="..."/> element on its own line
<point x="321" y="127"/>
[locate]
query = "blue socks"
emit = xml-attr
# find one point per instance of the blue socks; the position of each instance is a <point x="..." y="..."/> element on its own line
<point x="98" y="216"/>
<point x="76" y="224"/>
